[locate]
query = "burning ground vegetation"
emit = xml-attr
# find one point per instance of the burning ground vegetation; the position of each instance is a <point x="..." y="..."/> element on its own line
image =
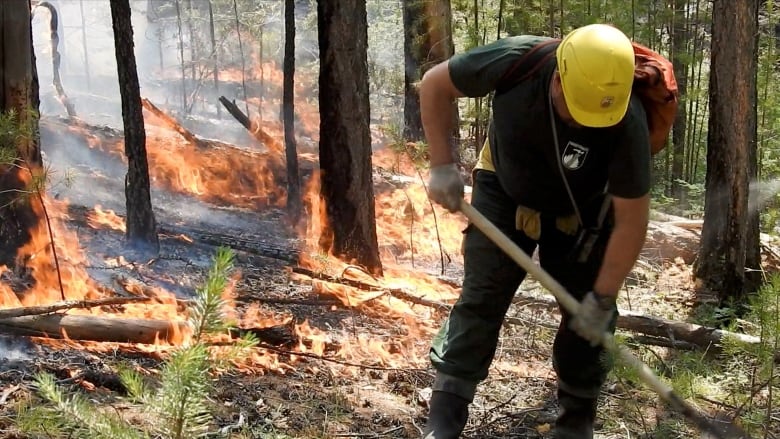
<point x="299" y="343"/>
<point x="240" y="326"/>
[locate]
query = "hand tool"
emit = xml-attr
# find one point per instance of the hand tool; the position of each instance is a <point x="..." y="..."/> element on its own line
<point x="720" y="431"/>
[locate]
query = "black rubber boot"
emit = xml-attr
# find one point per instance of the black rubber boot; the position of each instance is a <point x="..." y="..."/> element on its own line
<point x="447" y="416"/>
<point x="576" y="417"/>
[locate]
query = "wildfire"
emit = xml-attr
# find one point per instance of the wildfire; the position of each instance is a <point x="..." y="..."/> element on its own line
<point x="100" y="218"/>
<point x="52" y="271"/>
<point x="415" y="237"/>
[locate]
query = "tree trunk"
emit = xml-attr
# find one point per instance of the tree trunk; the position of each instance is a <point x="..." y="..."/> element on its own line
<point x="414" y="29"/>
<point x="20" y="154"/>
<point x="345" y="139"/>
<point x="215" y="56"/>
<point x="141" y="224"/>
<point x="427" y="42"/>
<point x="730" y="236"/>
<point x="680" y="59"/>
<point x="288" y="105"/>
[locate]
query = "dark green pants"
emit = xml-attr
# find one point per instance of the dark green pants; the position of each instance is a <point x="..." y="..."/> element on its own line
<point x="466" y="344"/>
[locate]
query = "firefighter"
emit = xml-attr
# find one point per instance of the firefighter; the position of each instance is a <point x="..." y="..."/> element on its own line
<point x="565" y="168"/>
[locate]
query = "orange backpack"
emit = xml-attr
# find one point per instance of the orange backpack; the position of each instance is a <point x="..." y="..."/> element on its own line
<point x="654" y="83"/>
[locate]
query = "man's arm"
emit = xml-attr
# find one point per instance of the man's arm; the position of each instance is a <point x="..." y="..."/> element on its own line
<point x="625" y="243"/>
<point x="437" y="93"/>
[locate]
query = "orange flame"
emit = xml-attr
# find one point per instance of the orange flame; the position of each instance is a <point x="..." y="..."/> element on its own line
<point x="99" y="218"/>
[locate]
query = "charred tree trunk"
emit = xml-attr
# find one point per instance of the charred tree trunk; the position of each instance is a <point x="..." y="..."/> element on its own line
<point x="20" y="154"/>
<point x="730" y="235"/>
<point x="414" y="59"/>
<point x="427" y="42"/>
<point x="141" y="224"/>
<point x="288" y="105"/>
<point x="345" y="139"/>
<point x="55" y="58"/>
<point x="680" y="59"/>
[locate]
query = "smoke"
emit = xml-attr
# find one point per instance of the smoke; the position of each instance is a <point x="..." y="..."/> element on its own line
<point x="12" y="350"/>
<point x="762" y="193"/>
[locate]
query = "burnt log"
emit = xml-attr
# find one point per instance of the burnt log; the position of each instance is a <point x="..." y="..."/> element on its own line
<point x="254" y="128"/>
<point x="253" y="246"/>
<point x="94" y="328"/>
<point x="170" y="122"/>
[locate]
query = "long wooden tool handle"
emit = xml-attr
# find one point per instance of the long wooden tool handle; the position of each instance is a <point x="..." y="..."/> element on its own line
<point x="723" y="431"/>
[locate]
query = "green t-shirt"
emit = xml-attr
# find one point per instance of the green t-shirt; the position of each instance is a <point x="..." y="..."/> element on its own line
<point x="521" y="138"/>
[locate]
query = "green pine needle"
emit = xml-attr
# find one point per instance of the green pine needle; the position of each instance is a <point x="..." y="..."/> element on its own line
<point x="75" y="412"/>
<point x="181" y="400"/>
<point x="207" y="314"/>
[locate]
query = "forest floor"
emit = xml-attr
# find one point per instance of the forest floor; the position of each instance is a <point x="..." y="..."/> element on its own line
<point x="357" y="364"/>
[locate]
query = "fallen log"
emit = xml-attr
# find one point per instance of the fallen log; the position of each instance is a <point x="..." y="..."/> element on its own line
<point x="94" y="328"/>
<point x="248" y="243"/>
<point x="69" y="304"/>
<point x="676" y="332"/>
<point x="701" y="336"/>
<point x="170" y="122"/>
<point x="255" y="246"/>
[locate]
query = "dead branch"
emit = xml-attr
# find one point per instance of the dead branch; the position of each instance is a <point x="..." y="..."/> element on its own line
<point x="305" y="302"/>
<point x="236" y="112"/>
<point x="395" y="292"/>
<point x="55" y="57"/>
<point x="170" y="122"/>
<point x="70" y="304"/>
<point x="254" y="128"/>
<point x="94" y="328"/>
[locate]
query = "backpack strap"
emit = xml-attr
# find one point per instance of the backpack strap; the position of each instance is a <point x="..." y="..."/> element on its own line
<point x="527" y="65"/>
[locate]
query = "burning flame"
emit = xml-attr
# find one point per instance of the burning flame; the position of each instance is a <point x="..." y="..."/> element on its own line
<point x="410" y="231"/>
<point x="47" y="280"/>
<point x="100" y="218"/>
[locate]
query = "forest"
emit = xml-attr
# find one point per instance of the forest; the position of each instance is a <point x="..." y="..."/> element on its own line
<point x="215" y="222"/>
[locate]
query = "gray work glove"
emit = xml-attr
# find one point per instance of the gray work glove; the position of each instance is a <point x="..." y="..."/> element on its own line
<point x="446" y="186"/>
<point x="593" y="319"/>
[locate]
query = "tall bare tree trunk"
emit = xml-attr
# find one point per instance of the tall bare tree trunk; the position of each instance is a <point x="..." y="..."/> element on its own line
<point x="680" y="57"/>
<point x="730" y="235"/>
<point x="20" y="154"/>
<point x="141" y="224"/>
<point x="214" y="56"/>
<point x="288" y="108"/>
<point x="427" y="42"/>
<point x="345" y="139"/>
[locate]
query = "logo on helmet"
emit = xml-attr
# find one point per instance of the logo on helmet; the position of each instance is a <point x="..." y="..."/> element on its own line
<point x="607" y="101"/>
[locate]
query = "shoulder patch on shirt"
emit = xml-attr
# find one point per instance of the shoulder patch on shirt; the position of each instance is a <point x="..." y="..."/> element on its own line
<point x="574" y="156"/>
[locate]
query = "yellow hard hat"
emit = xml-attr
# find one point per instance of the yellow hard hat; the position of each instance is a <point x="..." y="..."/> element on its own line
<point x="596" y="65"/>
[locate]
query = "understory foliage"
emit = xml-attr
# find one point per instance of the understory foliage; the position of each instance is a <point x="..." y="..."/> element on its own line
<point x="738" y="381"/>
<point x="173" y="406"/>
<point x="16" y="127"/>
